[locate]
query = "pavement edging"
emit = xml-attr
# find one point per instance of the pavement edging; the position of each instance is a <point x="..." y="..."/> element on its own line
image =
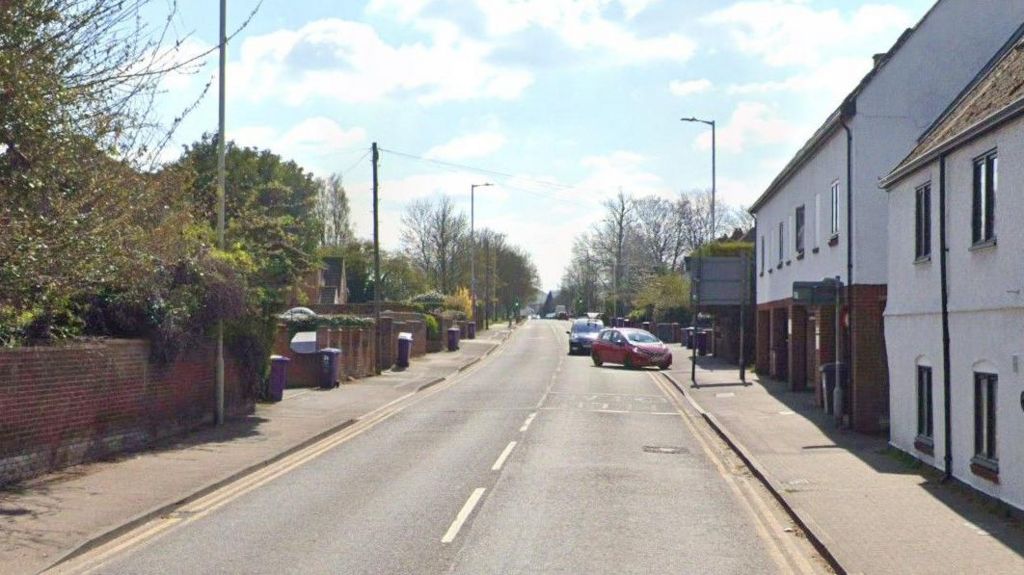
<point x="166" y="508"/>
<point x="801" y="518"/>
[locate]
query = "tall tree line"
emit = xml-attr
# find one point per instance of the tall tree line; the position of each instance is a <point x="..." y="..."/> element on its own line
<point x="637" y="241"/>
<point x="436" y="241"/>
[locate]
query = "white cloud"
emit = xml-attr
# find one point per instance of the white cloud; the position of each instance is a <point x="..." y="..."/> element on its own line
<point x="468" y="146"/>
<point x="832" y="80"/>
<point x="349" y="62"/>
<point x="314" y="142"/>
<point x="793" y="32"/>
<point x="689" y="87"/>
<point x="583" y="25"/>
<point x="751" y="124"/>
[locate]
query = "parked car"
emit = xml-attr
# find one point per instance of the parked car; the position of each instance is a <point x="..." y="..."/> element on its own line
<point x="582" y="334"/>
<point x="630" y="347"/>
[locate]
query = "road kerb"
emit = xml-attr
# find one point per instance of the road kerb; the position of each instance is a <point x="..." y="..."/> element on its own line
<point x="802" y="519"/>
<point x="103" y="537"/>
<point x="167" y="508"/>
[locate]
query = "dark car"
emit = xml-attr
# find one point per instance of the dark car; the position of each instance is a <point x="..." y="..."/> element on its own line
<point x="630" y="347"/>
<point x="582" y="334"/>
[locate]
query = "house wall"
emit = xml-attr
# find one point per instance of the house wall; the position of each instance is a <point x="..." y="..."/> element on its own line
<point x="986" y="312"/>
<point x="894" y="108"/>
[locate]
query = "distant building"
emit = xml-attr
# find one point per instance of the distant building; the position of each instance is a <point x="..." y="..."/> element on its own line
<point x="326" y="285"/>
<point x="955" y="260"/>
<point x="824" y="217"/>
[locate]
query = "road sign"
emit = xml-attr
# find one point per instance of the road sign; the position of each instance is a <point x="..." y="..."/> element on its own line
<point x="824" y="292"/>
<point x="719" y="280"/>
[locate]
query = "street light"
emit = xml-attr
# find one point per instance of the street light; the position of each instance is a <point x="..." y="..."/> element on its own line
<point x="696" y="311"/>
<point x="712" y="124"/>
<point x="472" y="244"/>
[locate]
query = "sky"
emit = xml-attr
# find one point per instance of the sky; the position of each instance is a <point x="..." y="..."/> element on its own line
<point x="557" y="103"/>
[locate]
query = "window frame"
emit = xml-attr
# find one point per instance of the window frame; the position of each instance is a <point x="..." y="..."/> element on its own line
<point x="925" y="406"/>
<point x="782" y="241"/>
<point x="799" y="226"/>
<point x="984" y="187"/>
<point x="923" y="222"/>
<point x="986" y="444"/>
<point x="834" y="220"/>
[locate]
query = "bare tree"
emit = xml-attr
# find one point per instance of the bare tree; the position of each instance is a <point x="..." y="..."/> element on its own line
<point x="434" y="239"/>
<point x="332" y="208"/>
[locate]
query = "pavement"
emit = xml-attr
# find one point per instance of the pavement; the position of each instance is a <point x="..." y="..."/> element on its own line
<point x="52" y="517"/>
<point x="867" y="507"/>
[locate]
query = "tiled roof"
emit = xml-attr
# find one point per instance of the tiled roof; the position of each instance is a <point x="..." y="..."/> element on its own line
<point x="997" y="91"/>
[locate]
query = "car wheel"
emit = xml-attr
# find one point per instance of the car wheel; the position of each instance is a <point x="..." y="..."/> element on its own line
<point x="597" y="360"/>
<point x="628" y="363"/>
<point x="664" y="366"/>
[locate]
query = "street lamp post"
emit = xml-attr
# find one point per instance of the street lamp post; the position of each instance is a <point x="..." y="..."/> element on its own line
<point x="472" y="244"/>
<point x="711" y="237"/>
<point x="712" y="124"/>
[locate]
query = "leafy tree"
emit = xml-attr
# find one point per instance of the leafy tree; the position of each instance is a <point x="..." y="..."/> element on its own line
<point x="270" y="207"/>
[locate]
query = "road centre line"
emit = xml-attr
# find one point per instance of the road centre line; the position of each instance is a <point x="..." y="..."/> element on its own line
<point x="464" y="513"/>
<point x="504" y="455"/>
<point x="526" y="424"/>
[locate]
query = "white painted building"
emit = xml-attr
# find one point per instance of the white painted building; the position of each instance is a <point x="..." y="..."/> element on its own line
<point x="805" y="231"/>
<point x="962" y="188"/>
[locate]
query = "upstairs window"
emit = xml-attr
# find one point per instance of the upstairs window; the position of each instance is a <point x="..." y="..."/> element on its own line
<point x="923" y="222"/>
<point x="782" y="240"/>
<point x="835" y="208"/>
<point x="799" y="244"/>
<point x="986" y="180"/>
<point x="762" y="253"/>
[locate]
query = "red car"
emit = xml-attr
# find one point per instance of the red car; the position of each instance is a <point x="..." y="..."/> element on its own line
<point x="630" y="347"/>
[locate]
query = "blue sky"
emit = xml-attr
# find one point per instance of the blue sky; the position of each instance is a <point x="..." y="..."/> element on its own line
<point x="567" y="100"/>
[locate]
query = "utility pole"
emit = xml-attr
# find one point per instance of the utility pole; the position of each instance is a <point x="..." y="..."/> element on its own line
<point x="376" y="261"/>
<point x="487" y="279"/>
<point x="472" y="245"/>
<point x="221" y="176"/>
<point x="743" y="306"/>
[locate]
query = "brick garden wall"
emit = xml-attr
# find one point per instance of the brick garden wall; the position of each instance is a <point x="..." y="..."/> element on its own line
<point x="61" y="406"/>
<point x="357" y="352"/>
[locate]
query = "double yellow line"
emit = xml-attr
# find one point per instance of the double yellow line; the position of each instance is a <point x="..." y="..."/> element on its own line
<point x="203" y="506"/>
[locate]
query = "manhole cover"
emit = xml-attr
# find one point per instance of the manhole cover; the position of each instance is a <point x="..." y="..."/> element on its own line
<point x="665" y="450"/>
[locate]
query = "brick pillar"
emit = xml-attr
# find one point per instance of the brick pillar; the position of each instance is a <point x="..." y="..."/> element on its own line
<point x="764" y="339"/>
<point x="870" y="381"/>
<point x="780" y="345"/>
<point x="798" y="348"/>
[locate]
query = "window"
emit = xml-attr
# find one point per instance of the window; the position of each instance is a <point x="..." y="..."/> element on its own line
<point x="985" y="385"/>
<point x="782" y="240"/>
<point x="762" y="253"/>
<point x="835" y="208"/>
<point x="923" y="222"/>
<point x="799" y="230"/>
<point x="817" y="220"/>
<point x="986" y="180"/>
<point x="924" y="402"/>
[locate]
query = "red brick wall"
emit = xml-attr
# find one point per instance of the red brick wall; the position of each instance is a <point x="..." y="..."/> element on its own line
<point x="65" y="405"/>
<point x="356" y="346"/>
<point x="798" y="348"/>
<point x="870" y="372"/>
<point x="763" y="343"/>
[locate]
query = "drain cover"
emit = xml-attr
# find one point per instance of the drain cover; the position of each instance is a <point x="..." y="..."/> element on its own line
<point x="665" y="450"/>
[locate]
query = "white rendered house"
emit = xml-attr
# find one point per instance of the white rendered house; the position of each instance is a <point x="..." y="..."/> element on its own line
<point x="824" y="216"/>
<point x="955" y="316"/>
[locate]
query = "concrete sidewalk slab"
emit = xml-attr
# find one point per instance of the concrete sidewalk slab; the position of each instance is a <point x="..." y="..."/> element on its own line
<point x="874" y="511"/>
<point x="45" y="519"/>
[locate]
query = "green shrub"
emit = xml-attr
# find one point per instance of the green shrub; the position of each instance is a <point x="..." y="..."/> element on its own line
<point x="433" y="327"/>
<point x="328" y="321"/>
<point x="430" y="300"/>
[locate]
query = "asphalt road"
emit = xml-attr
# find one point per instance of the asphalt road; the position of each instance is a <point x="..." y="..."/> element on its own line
<point x="532" y="462"/>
